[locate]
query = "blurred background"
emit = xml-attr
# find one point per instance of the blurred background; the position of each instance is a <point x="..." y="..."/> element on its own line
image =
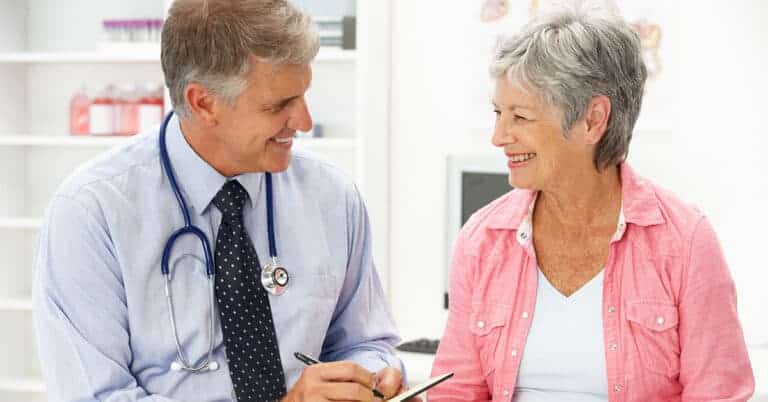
<point x="400" y="98"/>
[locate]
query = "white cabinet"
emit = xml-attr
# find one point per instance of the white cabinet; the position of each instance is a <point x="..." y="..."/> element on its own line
<point x="50" y="48"/>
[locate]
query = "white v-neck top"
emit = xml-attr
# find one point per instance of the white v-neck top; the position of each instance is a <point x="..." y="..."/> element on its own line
<point x="564" y="356"/>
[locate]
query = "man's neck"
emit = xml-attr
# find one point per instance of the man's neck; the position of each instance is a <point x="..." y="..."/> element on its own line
<point x="208" y="148"/>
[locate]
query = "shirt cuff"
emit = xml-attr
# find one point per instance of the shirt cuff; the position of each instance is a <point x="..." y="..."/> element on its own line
<point x="376" y="361"/>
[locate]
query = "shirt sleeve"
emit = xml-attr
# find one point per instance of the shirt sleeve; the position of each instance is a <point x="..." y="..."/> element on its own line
<point x="457" y="352"/>
<point x="362" y="328"/>
<point x="81" y="311"/>
<point x="713" y="354"/>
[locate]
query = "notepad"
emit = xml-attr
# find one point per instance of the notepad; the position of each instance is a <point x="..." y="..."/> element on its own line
<point x="421" y="388"/>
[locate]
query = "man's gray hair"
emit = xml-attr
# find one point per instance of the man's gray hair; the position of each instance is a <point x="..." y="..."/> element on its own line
<point x="568" y="58"/>
<point x="210" y="42"/>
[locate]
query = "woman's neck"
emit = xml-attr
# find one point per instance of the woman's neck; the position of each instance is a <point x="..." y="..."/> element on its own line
<point x="590" y="198"/>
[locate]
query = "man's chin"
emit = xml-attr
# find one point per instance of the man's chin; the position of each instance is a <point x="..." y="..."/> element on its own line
<point x="277" y="166"/>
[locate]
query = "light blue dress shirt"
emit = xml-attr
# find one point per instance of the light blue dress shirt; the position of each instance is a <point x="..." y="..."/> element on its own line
<point x="103" y="324"/>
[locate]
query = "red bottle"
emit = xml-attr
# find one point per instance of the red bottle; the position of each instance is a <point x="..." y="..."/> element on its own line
<point x="102" y="112"/>
<point x="79" y="119"/>
<point x="127" y="108"/>
<point x="150" y="106"/>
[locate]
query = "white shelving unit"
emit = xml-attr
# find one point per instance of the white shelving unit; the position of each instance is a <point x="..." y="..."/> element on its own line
<point x="87" y="141"/>
<point x="21" y="223"/>
<point x="16" y="304"/>
<point x="129" y="56"/>
<point x="44" y="59"/>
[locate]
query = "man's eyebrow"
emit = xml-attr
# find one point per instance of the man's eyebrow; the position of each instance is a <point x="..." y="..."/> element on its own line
<point x="282" y="102"/>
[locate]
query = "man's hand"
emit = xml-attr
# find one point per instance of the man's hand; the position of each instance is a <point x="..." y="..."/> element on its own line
<point x="338" y="381"/>
<point x="390" y="382"/>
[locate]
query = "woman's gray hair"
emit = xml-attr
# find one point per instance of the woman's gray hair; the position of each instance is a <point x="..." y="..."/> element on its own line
<point x="568" y="58"/>
<point x="210" y="42"/>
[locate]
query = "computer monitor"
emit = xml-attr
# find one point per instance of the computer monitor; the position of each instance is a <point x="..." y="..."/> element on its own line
<point x="473" y="182"/>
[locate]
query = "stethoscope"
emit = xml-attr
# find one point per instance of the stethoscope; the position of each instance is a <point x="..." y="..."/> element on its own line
<point x="274" y="277"/>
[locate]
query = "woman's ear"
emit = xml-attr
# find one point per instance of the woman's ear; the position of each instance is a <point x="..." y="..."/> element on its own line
<point x="596" y="118"/>
<point x="202" y="104"/>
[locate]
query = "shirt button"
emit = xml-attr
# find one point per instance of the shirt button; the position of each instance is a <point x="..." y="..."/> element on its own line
<point x="505" y="392"/>
<point x="481" y="324"/>
<point x="616" y="387"/>
<point x="513" y="352"/>
<point x="659" y="320"/>
<point x="613" y="347"/>
<point x="525" y="314"/>
<point x="611" y="309"/>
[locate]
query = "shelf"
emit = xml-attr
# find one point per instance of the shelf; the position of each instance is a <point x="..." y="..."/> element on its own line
<point x="22" y="140"/>
<point x="20" y="223"/>
<point x="80" y="57"/>
<point x="61" y="140"/>
<point x="30" y="385"/>
<point x="336" y="54"/>
<point x="326" y="144"/>
<point x="16" y="304"/>
<point x="132" y="56"/>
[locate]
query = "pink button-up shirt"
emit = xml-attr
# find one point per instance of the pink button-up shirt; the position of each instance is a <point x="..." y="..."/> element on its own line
<point x="669" y="304"/>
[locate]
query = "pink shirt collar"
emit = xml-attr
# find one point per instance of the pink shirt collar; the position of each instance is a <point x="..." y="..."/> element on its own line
<point x="639" y="205"/>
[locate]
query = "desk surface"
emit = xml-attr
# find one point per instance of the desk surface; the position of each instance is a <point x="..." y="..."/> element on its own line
<point x="419" y="367"/>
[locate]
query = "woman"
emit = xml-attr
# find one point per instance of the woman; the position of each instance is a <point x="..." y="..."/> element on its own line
<point x="587" y="282"/>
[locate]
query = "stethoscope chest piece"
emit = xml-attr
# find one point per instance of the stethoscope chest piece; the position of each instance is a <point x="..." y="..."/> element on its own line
<point x="210" y="366"/>
<point x="274" y="278"/>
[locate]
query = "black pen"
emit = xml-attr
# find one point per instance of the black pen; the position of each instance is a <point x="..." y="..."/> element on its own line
<point x="310" y="361"/>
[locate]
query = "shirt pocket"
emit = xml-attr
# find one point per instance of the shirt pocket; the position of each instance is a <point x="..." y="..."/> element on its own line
<point x="653" y="326"/>
<point x="487" y="324"/>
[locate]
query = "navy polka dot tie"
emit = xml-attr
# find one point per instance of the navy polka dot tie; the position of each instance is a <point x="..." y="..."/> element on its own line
<point x="246" y="317"/>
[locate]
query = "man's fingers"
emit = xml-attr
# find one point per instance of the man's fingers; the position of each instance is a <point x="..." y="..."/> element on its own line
<point x="389" y="381"/>
<point x="346" y="372"/>
<point x="347" y="391"/>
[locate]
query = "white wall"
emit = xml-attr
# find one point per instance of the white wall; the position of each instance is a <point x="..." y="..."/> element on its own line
<point x="708" y="149"/>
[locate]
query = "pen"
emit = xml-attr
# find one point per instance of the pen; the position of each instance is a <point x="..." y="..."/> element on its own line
<point x="310" y="361"/>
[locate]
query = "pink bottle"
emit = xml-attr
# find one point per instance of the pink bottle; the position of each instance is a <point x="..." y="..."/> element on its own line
<point x="127" y="104"/>
<point x="79" y="120"/>
<point x="103" y="112"/>
<point x="150" y="106"/>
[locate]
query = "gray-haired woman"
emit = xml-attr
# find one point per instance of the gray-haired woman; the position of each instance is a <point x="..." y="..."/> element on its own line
<point x="587" y="282"/>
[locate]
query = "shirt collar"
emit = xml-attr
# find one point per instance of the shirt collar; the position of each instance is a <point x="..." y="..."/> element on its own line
<point x="199" y="181"/>
<point x="639" y="206"/>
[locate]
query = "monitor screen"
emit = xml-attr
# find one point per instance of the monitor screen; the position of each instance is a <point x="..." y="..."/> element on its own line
<point x="473" y="181"/>
<point x="479" y="189"/>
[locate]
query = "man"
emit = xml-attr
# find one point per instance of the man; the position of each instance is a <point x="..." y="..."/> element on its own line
<point x="237" y="73"/>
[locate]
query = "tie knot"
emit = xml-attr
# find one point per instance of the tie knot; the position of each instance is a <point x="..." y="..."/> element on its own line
<point x="231" y="199"/>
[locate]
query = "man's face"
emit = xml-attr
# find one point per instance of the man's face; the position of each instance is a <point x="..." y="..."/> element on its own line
<point x="256" y="134"/>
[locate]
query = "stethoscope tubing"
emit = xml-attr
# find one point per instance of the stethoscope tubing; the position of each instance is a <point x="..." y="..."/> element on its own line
<point x="270" y="284"/>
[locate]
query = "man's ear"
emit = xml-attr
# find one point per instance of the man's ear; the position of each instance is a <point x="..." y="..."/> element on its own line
<point x="202" y="104"/>
<point x="596" y="118"/>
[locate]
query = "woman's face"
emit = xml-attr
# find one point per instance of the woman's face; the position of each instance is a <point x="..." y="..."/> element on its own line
<point x="529" y="132"/>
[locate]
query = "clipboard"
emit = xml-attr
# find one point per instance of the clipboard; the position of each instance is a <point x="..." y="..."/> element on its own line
<point x="420" y="388"/>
